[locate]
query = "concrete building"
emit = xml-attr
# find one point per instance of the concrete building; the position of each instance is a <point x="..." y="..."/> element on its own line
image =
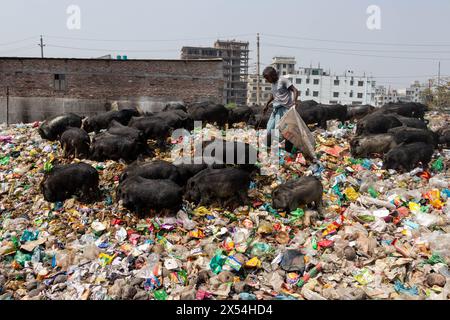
<point x="235" y="66"/>
<point x="323" y="87"/>
<point x="383" y="96"/>
<point x="33" y="88"/>
<point x="414" y="92"/>
<point x="411" y="94"/>
<point x="265" y="88"/>
<point x="284" y="65"/>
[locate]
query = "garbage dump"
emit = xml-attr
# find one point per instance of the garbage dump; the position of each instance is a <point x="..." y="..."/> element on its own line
<point x="380" y="233"/>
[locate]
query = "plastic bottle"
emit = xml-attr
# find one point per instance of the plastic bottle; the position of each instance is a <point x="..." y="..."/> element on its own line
<point x="438" y="183"/>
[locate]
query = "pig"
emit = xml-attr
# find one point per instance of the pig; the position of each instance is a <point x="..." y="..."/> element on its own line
<point x="312" y="114"/>
<point x="111" y="147"/>
<point x="209" y="113"/>
<point x="153" y="128"/>
<point x="174" y="106"/>
<point x="117" y="129"/>
<point x="142" y="195"/>
<point x="75" y="142"/>
<point x="294" y="193"/>
<point x="412" y="122"/>
<point x="410" y="109"/>
<point x="307" y="103"/>
<point x="362" y="147"/>
<point x="64" y="181"/>
<point x="187" y="168"/>
<point x="376" y="123"/>
<point x="359" y="111"/>
<point x="176" y="119"/>
<point x="52" y="129"/>
<point x="228" y="187"/>
<point x="409" y="135"/>
<point x="444" y="137"/>
<point x="408" y="156"/>
<point x="259" y="120"/>
<point x="239" y="114"/>
<point x="334" y="112"/>
<point x="155" y="170"/>
<point x="232" y="153"/>
<point x="103" y="120"/>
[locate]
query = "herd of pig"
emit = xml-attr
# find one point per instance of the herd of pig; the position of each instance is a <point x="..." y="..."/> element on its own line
<point x="401" y="134"/>
<point x="149" y="187"/>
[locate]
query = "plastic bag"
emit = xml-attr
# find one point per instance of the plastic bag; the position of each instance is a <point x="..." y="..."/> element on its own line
<point x="291" y="123"/>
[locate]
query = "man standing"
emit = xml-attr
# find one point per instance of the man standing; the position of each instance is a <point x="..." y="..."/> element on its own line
<point x="283" y="96"/>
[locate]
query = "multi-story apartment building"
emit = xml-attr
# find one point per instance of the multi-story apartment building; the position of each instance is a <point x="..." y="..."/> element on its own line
<point x="323" y="87"/>
<point x="284" y="65"/>
<point x="235" y="66"/>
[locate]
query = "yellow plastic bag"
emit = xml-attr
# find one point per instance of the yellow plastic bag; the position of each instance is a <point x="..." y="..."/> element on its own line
<point x="253" y="263"/>
<point x="414" y="207"/>
<point x="351" y="194"/>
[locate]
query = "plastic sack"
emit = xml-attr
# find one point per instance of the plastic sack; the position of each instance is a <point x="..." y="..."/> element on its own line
<point x="291" y="123"/>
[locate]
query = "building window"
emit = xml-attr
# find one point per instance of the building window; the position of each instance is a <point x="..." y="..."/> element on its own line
<point x="284" y="73"/>
<point x="284" y="65"/>
<point x="335" y="94"/>
<point x="360" y="83"/>
<point x="316" y="81"/>
<point x="351" y="94"/>
<point x="268" y="88"/>
<point x="336" y="82"/>
<point x="60" y="82"/>
<point x="360" y="95"/>
<point x="298" y="81"/>
<point x="254" y="88"/>
<point x="307" y="81"/>
<point x="307" y="92"/>
<point x="315" y="93"/>
<point x="254" y="95"/>
<point x="352" y="82"/>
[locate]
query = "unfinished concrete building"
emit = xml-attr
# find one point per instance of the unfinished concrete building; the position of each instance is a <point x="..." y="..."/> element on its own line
<point x="235" y="66"/>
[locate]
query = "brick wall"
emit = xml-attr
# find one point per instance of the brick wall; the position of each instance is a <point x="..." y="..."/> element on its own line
<point x="31" y="80"/>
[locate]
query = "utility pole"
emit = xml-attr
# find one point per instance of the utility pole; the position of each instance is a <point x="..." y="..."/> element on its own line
<point x="42" y="45"/>
<point x="258" y="80"/>
<point x="438" y="85"/>
<point x="7" y="105"/>
<point x="439" y="74"/>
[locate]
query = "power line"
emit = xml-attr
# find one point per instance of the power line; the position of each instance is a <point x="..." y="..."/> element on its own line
<point x="336" y="51"/>
<point x="122" y="50"/>
<point x="359" y="42"/>
<point x="17" y="41"/>
<point x="152" y="40"/>
<point x="19" y="48"/>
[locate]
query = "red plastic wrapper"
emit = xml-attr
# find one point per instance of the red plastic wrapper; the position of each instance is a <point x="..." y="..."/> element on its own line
<point x="201" y="295"/>
<point x="425" y="175"/>
<point x="116" y="222"/>
<point x="325" y="243"/>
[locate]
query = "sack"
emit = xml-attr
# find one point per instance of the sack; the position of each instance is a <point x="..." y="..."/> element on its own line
<point x="301" y="137"/>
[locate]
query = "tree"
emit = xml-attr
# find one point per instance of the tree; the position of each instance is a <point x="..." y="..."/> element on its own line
<point x="437" y="98"/>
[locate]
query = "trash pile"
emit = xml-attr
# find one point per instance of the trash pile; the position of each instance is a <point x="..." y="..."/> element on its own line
<point x="381" y="235"/>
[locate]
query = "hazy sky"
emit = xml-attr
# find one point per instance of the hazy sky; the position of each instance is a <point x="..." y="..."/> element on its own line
<point x="414" y="34"/>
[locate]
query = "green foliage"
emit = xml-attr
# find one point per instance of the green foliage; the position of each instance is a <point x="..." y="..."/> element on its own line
<point x="439" y="98"/>
<point x="231" y="105"/>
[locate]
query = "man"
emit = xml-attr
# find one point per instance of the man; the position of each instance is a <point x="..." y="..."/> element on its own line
<point x="283" y="96"/>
